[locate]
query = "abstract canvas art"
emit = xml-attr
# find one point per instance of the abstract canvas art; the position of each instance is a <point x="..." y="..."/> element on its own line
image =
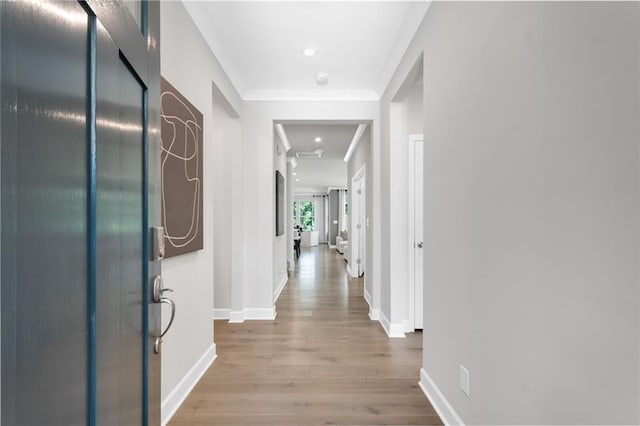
<point x="182" y="136"/>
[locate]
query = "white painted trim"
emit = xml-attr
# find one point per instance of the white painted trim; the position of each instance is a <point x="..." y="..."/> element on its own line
<point x="384" y="322"/>
<point x="367" y="297"/>
<point x="350" y="272"/>
<point x="412" y="22"/>
<point x="411" y="225"/>
<point x="392" y="330"/>
<point x="179" y="393"/>
<point x="355" y="212"/>
<point x="236" y="317"/>
<point x="221" y="314"/>
<point x="281" y="286"/>
<point x="446" y="412"/>
<point x="374" y="314"/>
<point x="260" y="314"/>
<point x="293" y="161"/>
<point x="332" y="246"/>
<point x="397" y="330"/>
<point x="357" y="136"/>
<point x="200" y="15"/>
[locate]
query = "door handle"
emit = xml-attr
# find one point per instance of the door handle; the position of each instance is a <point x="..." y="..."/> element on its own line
<point x="158" y="291"/>
<point x="171" y="303"/>
<point x="419" y="245"/>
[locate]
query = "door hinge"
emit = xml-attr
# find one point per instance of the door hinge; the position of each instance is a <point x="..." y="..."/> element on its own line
<point x="358" y="261"/>
<point x="359" y="191"/>
<point x="358" y="226"/>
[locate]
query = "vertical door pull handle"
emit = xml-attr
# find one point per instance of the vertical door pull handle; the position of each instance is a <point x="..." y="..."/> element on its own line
<point x="171" y="303"/>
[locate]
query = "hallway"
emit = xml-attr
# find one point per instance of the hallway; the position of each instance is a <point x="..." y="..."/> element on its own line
<point x="322" y="361"/>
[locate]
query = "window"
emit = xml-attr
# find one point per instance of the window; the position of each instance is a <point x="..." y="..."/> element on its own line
<point x="307" y="215"/>
<point x="295" y="212"/>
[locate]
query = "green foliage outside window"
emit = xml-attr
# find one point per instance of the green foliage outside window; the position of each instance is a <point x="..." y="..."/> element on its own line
<point x="307" y="216"/>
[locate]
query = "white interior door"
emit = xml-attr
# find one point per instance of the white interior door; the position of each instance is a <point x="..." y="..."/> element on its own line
<point x="418" y="195"/>
<point x="362" y="241"/>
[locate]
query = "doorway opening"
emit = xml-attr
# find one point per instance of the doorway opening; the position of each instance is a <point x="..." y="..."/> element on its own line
<point x="407" y="121"/>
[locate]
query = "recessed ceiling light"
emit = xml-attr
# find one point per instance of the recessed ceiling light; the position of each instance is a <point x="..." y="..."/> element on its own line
<point x="297" y="180"/>
<point x="318" y="139"/>
<point x="309" y="52"/>
<point x="294" y="173"/>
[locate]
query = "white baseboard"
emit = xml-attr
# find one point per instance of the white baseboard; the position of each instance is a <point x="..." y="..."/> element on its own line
<point x="236" y="317"/>
<point x="260" y="314"/>
<point x="446" y="412"/>
<point x="281" y="286"/>
<point x="253" y="314"/>
<point x="367" y="297"/>
<point x="392" y="330"/>
<point x="374" y="314"/>
<point x="221" y="314"/>
<point x="332" y="246"/>
<point x="350" y="272"/>
<point x="176" y="397"/>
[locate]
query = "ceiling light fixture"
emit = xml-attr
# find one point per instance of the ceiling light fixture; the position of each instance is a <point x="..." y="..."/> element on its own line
<point x="295" y="174"/>
<point x="318" y="139"/>
<point x="309" y="52"/>
<point x="322" y="78"/>
<point x="297" y="180"/>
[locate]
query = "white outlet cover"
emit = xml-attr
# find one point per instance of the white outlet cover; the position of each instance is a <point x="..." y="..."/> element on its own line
<point x="464" y="380"/>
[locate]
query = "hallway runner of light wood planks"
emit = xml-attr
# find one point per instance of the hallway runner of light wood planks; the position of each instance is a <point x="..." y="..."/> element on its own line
<point x="321" y="362"/>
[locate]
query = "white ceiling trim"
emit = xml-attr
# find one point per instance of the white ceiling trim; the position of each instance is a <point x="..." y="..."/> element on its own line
<point x="355" y="141"/>
<point x="310" y="95"/>
<point x="414" y="18"/>
<point x="200" y="15"/>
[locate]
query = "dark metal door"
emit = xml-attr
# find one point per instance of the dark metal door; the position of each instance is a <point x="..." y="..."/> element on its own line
<point x="79" y="173"/>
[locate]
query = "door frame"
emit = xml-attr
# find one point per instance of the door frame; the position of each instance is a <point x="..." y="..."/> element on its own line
<point x="411" y="228"/>
<point x="139" y="48"/>
<point x="355" y="216"/>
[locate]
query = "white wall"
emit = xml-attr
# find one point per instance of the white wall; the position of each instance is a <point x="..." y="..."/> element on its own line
<point x="191" y="70"/>
<point x="257" y="136"/>
<point x="362" y="156"/>
<point x="291" y="261"/>
<point x="531" y="209"/>
<point x="226" y="132"/>
<point x="280" y="243"/>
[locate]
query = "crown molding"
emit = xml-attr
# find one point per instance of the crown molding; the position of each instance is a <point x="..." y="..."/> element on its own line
<point x="415" y="15"/>
<point x="266" y="95"/>
<point x="199" y="13"/>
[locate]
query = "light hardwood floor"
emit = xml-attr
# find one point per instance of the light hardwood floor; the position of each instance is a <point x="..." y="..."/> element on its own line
<point x="321" y="362"/>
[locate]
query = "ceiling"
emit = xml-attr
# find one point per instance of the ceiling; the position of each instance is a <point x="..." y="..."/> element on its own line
<point x="316" y="175"/>
<point x="259" y="44"/>
<point x="335" y="138"/>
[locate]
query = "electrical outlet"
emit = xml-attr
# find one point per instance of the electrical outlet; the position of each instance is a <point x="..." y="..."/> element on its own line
<point x="464" y="380"/>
